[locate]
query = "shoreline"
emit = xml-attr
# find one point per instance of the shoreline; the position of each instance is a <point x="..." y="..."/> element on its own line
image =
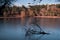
<point x="48" y="16"/>
<point x="35" y="16"/>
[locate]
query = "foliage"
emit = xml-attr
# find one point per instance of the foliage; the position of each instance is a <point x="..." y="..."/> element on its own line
<point x="58" y="6"/>
<point x="6" y="2"/>
<point x="3" y="4"/>
<point x="58" y="0"/>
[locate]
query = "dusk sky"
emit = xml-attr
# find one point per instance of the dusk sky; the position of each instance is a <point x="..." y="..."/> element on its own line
<point x="25" y="2"/>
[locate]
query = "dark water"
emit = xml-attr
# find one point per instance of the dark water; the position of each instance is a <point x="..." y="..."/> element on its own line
<point x="14" y="28"/>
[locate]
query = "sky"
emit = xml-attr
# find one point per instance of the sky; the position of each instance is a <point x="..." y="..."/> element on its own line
<point x="25" y="2"/>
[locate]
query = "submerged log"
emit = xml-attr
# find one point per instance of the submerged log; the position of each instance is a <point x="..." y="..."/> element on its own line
<point x="32" y="31"/>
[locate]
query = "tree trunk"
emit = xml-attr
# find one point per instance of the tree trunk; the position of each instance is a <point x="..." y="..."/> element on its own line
<point x="1" y="9"/>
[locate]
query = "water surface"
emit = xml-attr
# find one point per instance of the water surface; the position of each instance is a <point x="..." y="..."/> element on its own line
<point x="14" y="28"/>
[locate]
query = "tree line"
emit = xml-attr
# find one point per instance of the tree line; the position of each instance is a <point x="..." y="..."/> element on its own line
<point x="36" y="10"/>
<point x="7" y="10"/>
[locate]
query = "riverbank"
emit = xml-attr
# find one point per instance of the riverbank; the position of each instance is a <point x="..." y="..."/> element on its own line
<point x="35" y="16"/>
<point x="48" y="16"/>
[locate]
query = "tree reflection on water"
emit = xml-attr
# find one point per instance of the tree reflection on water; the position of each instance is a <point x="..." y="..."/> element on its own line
<point x="17" y="28"/>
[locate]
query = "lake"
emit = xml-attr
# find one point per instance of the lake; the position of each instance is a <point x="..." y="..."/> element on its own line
<point x="14" y="28"/>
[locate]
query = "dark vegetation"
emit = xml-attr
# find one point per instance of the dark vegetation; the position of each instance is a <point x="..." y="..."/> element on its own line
<point x="3" y="4"/>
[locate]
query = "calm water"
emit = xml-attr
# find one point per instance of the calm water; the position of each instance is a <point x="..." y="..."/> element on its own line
<point x="14" y="28"/>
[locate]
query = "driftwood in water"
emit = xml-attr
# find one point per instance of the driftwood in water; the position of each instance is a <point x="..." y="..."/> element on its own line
<point x="29" y="31"/>
<point x="34" y="32"/>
